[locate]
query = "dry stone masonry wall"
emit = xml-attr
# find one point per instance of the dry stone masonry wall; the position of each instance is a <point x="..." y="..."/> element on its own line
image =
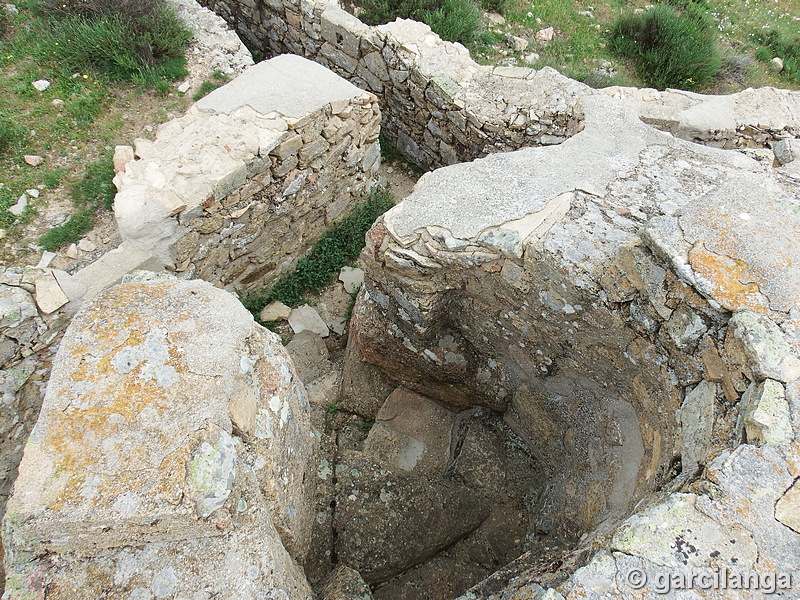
<point x="236" y="190"/>
<point x="440" y="107"/>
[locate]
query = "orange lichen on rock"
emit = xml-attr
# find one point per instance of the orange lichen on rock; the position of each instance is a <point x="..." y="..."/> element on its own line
<point x="732" y="283"/>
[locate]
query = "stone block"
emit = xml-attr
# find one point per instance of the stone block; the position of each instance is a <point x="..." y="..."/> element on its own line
<point x="145" y="444"/>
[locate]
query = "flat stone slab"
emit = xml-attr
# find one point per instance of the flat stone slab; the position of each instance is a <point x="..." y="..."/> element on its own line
<point x="290" y="85"/>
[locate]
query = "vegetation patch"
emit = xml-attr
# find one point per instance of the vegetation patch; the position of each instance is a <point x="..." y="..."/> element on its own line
<point x="94" y="192"/>
<point x="141" y="41"/>
<point x="774" y="43"/>
<point x="337" y="247"/>
<point x="453" y="20"/>
<point x="671" y="45"/>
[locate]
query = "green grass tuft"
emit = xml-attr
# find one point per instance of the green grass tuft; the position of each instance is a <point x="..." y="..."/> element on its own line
<point x="337" y="247"/>
<point x="205" y="89"/>
<point x="140" y="41"/>
<point x="775" y="43"/>
<point x="671" y="45"/>
<point x="12" y="135"/>
<point x="453" y="20"/>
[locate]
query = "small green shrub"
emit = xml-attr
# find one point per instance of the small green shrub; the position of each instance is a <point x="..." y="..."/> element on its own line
<point x="96" y="189"/>
<point x="671" y="45"/>
<point x="453" y="20"/>
<point x="338" y="246"/>
<point x="68" y="233"/>
<point x="774" y="43"/>
<point x="141" y="41"/>
<point x="498" y="6"/>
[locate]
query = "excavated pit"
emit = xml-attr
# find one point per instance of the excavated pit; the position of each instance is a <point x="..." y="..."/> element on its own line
<point x="563" y="351"/>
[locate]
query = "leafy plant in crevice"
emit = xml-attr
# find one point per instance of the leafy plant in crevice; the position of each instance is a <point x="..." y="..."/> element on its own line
<point x="673" y="44"/>
<point x="93" y="192"/>
<point x="336" y="247"/>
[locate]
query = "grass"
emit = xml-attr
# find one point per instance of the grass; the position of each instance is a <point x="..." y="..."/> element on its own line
<point x="672" y="44"/>
<point x="453" y="20"/>
<point x="138" y="41"/>
<point x="337" y="247"/>
<point x="93" y="112"/>
<point x="92" y="193"/>
<point x="582" y="47"/>
<point x="205" y="89"/>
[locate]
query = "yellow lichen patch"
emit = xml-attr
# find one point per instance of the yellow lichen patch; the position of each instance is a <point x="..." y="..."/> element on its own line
<point x="99" y="454"/>
<point x="733" y="283"/>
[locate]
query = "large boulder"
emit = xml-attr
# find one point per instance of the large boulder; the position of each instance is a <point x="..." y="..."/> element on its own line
<point x="176" y="425"/>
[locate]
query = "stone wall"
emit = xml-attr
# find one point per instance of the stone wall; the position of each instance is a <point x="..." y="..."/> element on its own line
<point x="440" y="107"/>
<point x="634" y="317"/>
<point x="235" y="191"/>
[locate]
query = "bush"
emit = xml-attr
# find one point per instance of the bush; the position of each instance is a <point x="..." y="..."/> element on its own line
<point x="452" y="20"/>
<point x="142" y="41"/>
<point x="671" y="45"/>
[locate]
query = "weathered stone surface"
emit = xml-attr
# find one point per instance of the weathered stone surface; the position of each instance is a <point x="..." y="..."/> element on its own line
<point x="697" y="424"/>
<point x="49" y="295"/>
<point x="764" y="347"/>
<point x="767" y="419"/>
<point x="364" y="387"/>
<point x="275" y="311"/>
<point x="306" y="318"/>
<point x="345" y="584"/>
<point x="412" y="433"/>
<point x="352" y="279"/>
<point x="187" y="393"/>
<point x="375" y="503"/>
<point x="309" y="355"/>
<point x="787" y="509"/>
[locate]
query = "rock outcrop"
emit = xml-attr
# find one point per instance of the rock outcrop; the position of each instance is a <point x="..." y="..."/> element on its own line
<point x="173" y="453"/>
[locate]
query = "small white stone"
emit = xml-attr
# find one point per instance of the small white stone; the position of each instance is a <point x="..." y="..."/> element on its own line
<point x="87" y="245"/>
<point x="41" y="84"/>
<point x="306" y="318"/>
<point x="744" y="216"/>
<point x="72" y="251"/>
<point x="33" y="160"/>
<point x="776" y="64"/>
<point x="275" y="311"/>
<point x="545" y="35"/>
<point x="184" y="87"/>
<point x="33" y="192"/>
<point x="20" y="206"/>
<point x="47" y="258"/>
<point x="352" y="279"/>
<point x="58" y="103"/>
